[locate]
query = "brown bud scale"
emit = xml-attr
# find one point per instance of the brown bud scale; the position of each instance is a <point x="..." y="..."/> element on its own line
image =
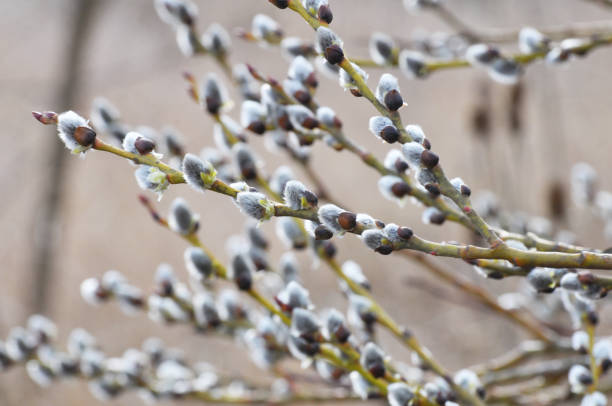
<point x="347" y="220"/>
<point x="85" y="136"/>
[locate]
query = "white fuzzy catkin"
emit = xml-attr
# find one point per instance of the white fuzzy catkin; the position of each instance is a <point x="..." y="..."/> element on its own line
<point x="505" y="71"/>
<point x="328" y="216"/>
<point x="293" y="46"/>
<point x="594" y="399"/>
<point x="216" y="40"/>
<point x="176" y="12"/>
<point x="300" y="69"/>
<point x="186" y="40"/>
<point x="255" y="204"/>
<point x="264" y="28"/>
<point x="412" y="64"/>
<point x="301" y="117"/>
<point x="199" y="174"/>
<point x="531" y="40"/>
<point x="214" y="95"/>
<point x="152" y="178"/>
<point x="104" y="115"/>
<point x="374" y="238"/>
<point x="394" y="161"/>
<point x="381" y="48"/>
<point x="304" y="322"/>
<point x="468" y="380"/>
<point x="294" y="296"/>
<point x="378" y="123"/>
<point x="386" y="83"/>
<point x="198" y="263"/>
<point x="415" y="132"/>
<point x="399" y="394"/>
<point x="290" y="233"/>
<point x="181" y="219"/>
<point x="354" y="272"/>
<point x="67" y="124"/>
<point x="250" y="112"/>
<point x="297" y="196"/>
<point x="579" y="378"/>
<point x="385" y="185"/>
<point x="481" y="55"/>
<point x="412" y="152"/>
<point x="360" y="386"/>
<point x="326" y="38"/>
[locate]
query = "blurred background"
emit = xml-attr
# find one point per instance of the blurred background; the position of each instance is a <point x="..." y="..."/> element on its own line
<point x="63" y="219"/>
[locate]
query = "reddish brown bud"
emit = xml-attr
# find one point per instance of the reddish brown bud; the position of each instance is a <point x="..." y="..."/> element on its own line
<point x="258" y="127"/>
<point x="393" y="100"/>
<point x="347" y="220"/>
<point x="379" y="224"/>
<point x="429" y="159"/>
<point x="325" y="14"/>
<point x="280" y="3"/>
<point x="144" y="145"/>
<point x="334" y="54"/>
<point x="244" y="282"/>
<point x="310" y="123"/>
<point x="390" y="134"/>
<point x="342" y="334"/>
<point x="400" y="189"/>
<point x="437" y="218"/>
<point x="213" y="105"/>
<point x="433" y="188"/>
<point x="311" y="80"/>
<point x="302" y="96"/>
<point x="46" y="117"/>
<point x="592" y="318"/>
<point x="254" y="72"/>
<point x="188" y="76"/>
<point x="284" y="122"/>
<point x="384" y="249"/>
<point x="586" y="277"/>
<point x="249" y="172"/>
<point x="164" y="289"/>
<point x="260" y="263"/>
<point x="404" y="233"/>
<point x="273" y="82"/>
<point x="322" y="233"/>
<point x="355" y="92"/>
<point x="144" y="200"/>
<point x="299" y="245"/>
<point x="426" y="144"/>
<point x="401" y="166"/>
<point x="184" y="15"/>
<point x="85" y="136"/>
<point x="465" y="190"/>
<point x="329" y="249"/>
<point x="481" y="392"/>
<point x="495" y="275"/>
<point x="311" y="198"/>
<point x="305" y="141"/>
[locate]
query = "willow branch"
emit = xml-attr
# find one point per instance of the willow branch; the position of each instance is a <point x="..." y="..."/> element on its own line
<point x="326" y="349"/>
<point x="521" y="258"/>
<point x="446" y="188"/>
<point x="431" y="66"/>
